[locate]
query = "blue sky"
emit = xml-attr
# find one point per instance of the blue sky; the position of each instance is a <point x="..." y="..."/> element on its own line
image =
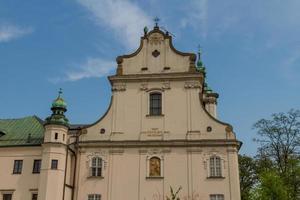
<point x="251" y="49"/>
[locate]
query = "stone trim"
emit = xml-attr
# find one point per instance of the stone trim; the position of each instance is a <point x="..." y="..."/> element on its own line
<point x="160" y="143"/>
<point x="157" y="76"/>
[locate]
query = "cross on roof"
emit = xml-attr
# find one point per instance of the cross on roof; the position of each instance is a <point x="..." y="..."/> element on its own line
<point x="60" y="91"/>
<point x="156" y="20"/>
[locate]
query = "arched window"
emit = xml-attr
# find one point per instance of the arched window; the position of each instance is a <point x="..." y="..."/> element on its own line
<point x="215" y="166"/>
<point x="155" y="103"/>
<point x="154" y="167"/>
<point x="96" y="167"/>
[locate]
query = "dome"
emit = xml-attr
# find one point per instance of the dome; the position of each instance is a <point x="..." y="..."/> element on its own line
<point x="59" y="103"/>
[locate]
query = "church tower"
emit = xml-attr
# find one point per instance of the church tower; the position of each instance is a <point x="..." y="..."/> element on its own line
<point x="54" y="151"/>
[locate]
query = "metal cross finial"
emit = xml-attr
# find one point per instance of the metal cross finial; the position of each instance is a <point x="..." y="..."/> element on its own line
<point x="156" y="20"/>
<point x="60" y="91"/>
<point x="199" y="49"/>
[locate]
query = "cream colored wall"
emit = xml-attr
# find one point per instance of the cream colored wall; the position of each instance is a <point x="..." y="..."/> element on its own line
<point x="167" y="58"/>
<point x="125" y="173"/>
<point x="21" y="183"/>
<point x="51" y="185"/>
<point x="183" y="115"/>
<point x="183" y="119"/>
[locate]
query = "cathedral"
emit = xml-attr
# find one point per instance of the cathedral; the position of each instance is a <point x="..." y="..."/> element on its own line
<point x="160" y="137"/>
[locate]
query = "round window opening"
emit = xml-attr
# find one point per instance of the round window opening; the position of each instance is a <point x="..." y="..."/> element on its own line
<point x="209" y="129"/>
<point x="102" y="130"/>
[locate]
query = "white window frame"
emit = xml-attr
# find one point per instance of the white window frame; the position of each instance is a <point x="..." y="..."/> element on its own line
<point x="215" y="166"/>
<point x="216" y="197"/>
<point x="98" y="167"/>
<point x="151" y="91"/>
<point x="94" y="196"/>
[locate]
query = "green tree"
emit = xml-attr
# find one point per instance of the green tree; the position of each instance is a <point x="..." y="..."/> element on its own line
<point x="248" y="176"/>
<point x="271" y="187"/>
<point x="279" y="137"/>
<point x="278" y="162"/>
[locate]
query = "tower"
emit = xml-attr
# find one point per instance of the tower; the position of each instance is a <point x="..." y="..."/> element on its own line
<point x="54" y="152"/>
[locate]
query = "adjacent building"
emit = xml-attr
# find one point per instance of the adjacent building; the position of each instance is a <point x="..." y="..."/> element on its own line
<point x="160" y="131"/>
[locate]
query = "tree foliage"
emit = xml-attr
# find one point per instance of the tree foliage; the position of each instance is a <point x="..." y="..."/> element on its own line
<point x="279" y="137"/>
<point x="248" y="175"/>
<point x="274" y="173"/>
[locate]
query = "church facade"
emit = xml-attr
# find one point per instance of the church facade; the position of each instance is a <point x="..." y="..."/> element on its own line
<point x="159" y="133"/>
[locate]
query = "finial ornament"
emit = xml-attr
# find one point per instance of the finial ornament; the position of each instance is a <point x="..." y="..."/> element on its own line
<point x="156" y="20"/>
<point x="60" y="92"/>
<point x="145" y="30"/>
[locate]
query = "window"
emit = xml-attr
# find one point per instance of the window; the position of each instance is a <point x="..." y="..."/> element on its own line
<point x="154" y="167"/>
<point x="94" y="197"/>
<point x="2" y="133"/>
<point x="54" y="164"/>
<point x="155" y="104"/>
<point x="34" y="197"/>
<point x="216" y="197"/>
<point x="18" y="166"/>
<point x="215" y="166"/>
<point x="7" y="196"/>
<point x="56" y="136"/>
<point x="36" y="166"/>
<point x="96" y="167"/>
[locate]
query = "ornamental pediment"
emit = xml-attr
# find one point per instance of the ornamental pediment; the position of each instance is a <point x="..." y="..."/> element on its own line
<point x="156" y="54"/>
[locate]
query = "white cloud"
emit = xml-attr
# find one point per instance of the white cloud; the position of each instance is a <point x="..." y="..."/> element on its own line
<point x="92" y="68"/>
<point x="10" y="32"/>
<point x="125" y="18"/>
<point x="197" y="16"/>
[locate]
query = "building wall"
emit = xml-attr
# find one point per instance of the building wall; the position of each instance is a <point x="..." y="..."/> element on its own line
<point x="126" y="173"/>
<point x="24" y="184"/>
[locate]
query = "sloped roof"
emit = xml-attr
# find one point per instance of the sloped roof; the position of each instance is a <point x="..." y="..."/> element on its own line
<point x="27" y="131"/>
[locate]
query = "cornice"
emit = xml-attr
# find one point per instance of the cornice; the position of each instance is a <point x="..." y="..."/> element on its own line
<point x="157" y="77"/>
<point x="160" y="143"/>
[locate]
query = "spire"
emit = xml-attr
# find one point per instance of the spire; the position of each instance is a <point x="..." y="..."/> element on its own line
<point x="59" y="107"/>
<point x="200" y="65"/>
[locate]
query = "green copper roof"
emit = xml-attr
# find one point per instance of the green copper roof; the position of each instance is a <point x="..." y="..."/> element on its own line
<point x="59" y="102"/>
<point x="25" y="131"/>
<point x="59" y="107"/>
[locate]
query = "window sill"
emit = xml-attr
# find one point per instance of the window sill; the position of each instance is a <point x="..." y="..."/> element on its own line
<point x="14" y="173"/>
<point x="36" y="172"/>
<point x="95" y="177"/>
<point x="216" y="177"/>
<point x="161" y="115"/>
<point x="154" y="177"/>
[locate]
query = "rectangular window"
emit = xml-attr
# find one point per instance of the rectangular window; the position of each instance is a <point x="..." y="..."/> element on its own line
<point x="216" y="197"/>
<point x="94" y="197"/>
<point x="54" y="164"/>
<point x="7" y="196"/>
<point x="18" y="166"/>
<point x="34" y="197"/>
<point x="36" y="166"/>
<point x="155" y="104"/>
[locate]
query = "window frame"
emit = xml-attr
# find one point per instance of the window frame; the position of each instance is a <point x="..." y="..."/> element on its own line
<point x="96" y="167"/>
<point x="36" y="169"/>
<point x="4" y="194"/>
<point x="18" y="167"/>
<point x="216" y="197"/>
<point x="33" y="195"/>
<point x="155" y="110"/>
<point x="94" y="196"/>
<point x="215" y="167"/>
<point x="54" y="164"/>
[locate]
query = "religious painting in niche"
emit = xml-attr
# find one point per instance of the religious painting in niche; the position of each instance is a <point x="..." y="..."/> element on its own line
<point x="154" y="166"/>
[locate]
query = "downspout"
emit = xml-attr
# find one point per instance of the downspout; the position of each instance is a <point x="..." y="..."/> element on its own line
<point x="66" y="165"/>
